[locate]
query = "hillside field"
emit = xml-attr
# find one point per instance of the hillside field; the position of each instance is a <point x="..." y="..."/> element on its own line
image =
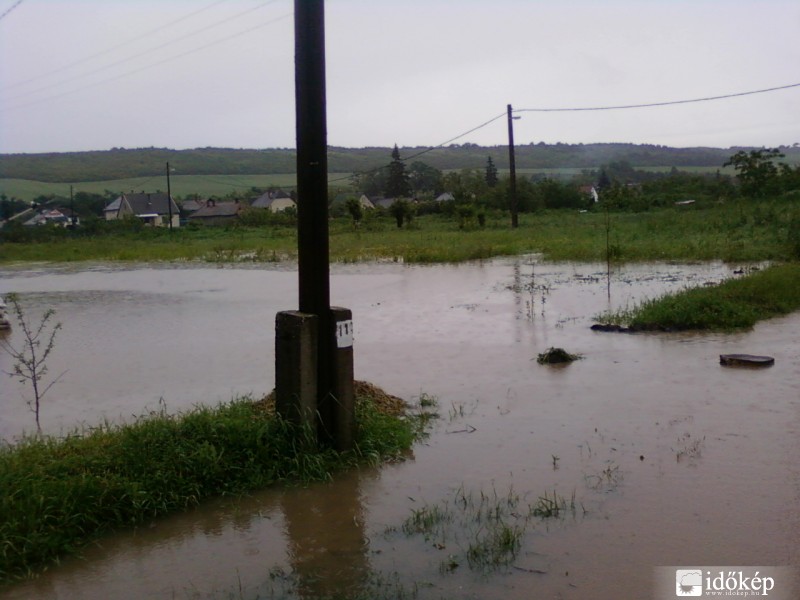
<point x="205" y="186"/>
<point x="181" y="185"/>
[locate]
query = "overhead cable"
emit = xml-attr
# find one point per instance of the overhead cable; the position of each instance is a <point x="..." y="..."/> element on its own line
<point x="655" y="104"/>
<point x="135" y="56"/>
<point x="587" y="109"/>
<point x="105" y="52"/>
<point x="151" y="65"/>
<point x="12" y="7"/>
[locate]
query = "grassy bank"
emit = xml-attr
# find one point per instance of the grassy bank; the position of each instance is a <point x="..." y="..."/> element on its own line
<point x="740" y="231"/>
<point x="59" y="494"/>
<point x="733" y="304"/>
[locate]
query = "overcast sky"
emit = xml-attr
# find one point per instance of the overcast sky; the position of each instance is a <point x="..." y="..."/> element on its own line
<point x="96" y="74"/>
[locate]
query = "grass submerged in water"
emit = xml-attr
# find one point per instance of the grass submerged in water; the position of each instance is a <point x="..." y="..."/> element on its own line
<point x="731" y="305"/>
<point x="60" y="493"/>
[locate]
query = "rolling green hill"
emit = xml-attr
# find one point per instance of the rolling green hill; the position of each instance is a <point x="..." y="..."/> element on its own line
<point x="219" y="171"/>
<point x="120" y="163"/>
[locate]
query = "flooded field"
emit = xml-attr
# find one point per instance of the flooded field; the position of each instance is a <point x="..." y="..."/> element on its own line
<point x="652" y="453"/>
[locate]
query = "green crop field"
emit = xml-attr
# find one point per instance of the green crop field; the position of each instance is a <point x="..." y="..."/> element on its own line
<point x="181" y="185"/>
<point x="205" y="186"/>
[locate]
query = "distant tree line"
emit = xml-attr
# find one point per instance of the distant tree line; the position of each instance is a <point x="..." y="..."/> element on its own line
<point x="121" y="163"/>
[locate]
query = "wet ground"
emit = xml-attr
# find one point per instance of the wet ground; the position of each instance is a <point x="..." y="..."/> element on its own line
<point x="658" y="455"/>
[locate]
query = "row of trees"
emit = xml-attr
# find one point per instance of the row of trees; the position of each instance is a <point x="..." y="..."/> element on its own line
<point x="618" y="183"/>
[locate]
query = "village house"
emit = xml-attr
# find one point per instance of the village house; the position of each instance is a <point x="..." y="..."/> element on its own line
<point x="275" y="201"/>
<point x="365" y="202"/>
<point x="218" y="213"/>
<point x="340" y="201"/>
<point x="153" y="209"/>
<point x="445" y="197"/>
<point x="380" y="202"/>
<point x="590" y="192"/>
<point x="55" y="216"/>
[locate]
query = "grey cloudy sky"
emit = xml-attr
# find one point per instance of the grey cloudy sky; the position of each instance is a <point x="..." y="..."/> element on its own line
<point x="97" y="74"/>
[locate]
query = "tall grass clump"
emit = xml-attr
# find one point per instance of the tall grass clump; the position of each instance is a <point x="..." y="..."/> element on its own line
<point x="730" y="305"/>
<point x="58" y="494"/>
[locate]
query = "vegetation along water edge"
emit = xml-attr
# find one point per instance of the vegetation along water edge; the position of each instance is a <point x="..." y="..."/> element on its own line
<point x="730" y="305"/>
<point x="64" y="492"/>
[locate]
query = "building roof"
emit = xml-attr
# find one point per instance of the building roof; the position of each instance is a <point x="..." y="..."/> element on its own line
<point x="150" y="203"/>
<point x="217" y="209"/>
<point x="191" y="205"/>
<point x="267" y="199"/>
<point x="382" y="202"/>
<point x="114" y="206"/>
<point x="144" y="204"/>
<point x="53" y="215"/>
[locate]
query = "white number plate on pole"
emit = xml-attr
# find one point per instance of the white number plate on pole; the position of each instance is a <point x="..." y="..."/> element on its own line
<point x="344" y="334"/>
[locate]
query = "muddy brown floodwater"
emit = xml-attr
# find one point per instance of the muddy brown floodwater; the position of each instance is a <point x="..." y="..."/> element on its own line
<point x="658" y="455"/>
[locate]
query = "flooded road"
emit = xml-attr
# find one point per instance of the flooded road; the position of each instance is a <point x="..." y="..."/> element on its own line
<point x="660" y="455"/>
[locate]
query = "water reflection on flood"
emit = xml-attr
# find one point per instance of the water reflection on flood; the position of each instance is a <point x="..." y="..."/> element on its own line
<point x="671" y="458"/>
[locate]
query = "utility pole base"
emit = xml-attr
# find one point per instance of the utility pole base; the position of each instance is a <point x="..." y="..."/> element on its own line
<point x="327" y="407"/>
<point x="296" y="336"/>
<point x="342" y="391"/>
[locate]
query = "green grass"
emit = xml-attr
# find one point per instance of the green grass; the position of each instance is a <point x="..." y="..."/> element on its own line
<point x="734" y="232"/>
<point x="733" y="304"/>
<point x="555" y="506"/>
<point x="60" y="493"/>
<point x="483" y="530"/>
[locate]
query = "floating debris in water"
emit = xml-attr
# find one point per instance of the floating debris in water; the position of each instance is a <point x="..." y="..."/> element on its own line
<point x="745" y="360"/>
<point x="554" y="356"/>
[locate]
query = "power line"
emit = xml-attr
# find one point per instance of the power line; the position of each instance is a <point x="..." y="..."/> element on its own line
<point x="15" y="5"/>
<point x="654" y="104"/>
<point x="458" y="137"/>
<point x="80" y="61"/>
<point x="140" y="54"/>
<point x="151" y="65"/>
<point x="430" y="148"/>
<point x="586" y="109"/>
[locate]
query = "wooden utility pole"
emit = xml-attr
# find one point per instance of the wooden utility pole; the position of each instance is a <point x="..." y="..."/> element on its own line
<point x="513" y="168"/>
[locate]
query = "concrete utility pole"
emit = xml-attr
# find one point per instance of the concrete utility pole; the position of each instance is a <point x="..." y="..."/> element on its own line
<point x="513" y="167"/>
<point x="71" y="209"/>
<point x="313" y="346"/>
<point x="312" y="158"/>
